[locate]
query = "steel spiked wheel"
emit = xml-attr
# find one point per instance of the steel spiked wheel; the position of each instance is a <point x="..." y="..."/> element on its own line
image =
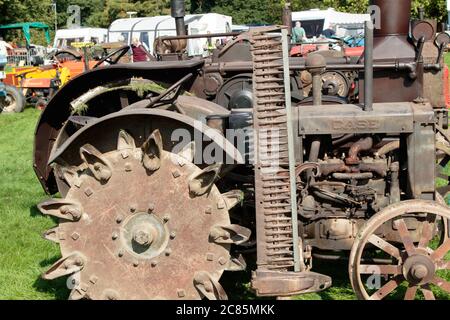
<point x="142" y="223"/>
<point x="415" y="264"/>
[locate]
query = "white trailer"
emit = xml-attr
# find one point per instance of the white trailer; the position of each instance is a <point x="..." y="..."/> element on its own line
<point x="314" y="21"/>
<point x="147" y="29"/>
<point x="65" y="37"/>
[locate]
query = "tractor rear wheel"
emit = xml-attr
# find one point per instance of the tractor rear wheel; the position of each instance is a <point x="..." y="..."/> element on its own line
<point x="142" y="223"/>
<point x="14" y="101"/>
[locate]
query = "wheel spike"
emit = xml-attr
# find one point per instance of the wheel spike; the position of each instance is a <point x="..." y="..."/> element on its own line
<point x="237" y="264"/>
<point x="125" y="141"/>
<point x="209" y="287"/>
<point x="232" y="198"/>
<point x="61" y="208"/>
<point x="77" y="294"/>
<point x="231" y="234"/>
<point x="52" y="235"/>
<point x="69" y="174"/>
<point x="96" y="162"/>
<point x="65" y="266"/>
<point x="188" y="151"/>
<point x="152" y="151"/>
<point x="202" y="182"/>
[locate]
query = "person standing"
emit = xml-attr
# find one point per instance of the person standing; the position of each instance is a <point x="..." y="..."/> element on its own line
<point x="298" y="33"/>
<point x="139" y="52"/>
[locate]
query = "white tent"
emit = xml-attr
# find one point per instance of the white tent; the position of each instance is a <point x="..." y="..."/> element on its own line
<point x="315" y="20"/>
<point x="64" y="37"/>
<point x="148" y="28"/>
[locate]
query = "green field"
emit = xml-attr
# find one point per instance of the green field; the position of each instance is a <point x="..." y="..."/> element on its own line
<point x="24" y="254"/>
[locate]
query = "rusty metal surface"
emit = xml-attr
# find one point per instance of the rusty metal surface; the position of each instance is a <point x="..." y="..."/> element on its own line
<point x="122" y="231"/>
<point x="273" y="218"/>
<point x="385" y="118"/>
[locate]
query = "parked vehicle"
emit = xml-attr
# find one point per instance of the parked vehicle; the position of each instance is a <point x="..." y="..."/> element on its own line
<point x="31" y="53"/>
<point x="148" y="29"/>
<point x="65" y="37"/>
<point x="35" y="85"/>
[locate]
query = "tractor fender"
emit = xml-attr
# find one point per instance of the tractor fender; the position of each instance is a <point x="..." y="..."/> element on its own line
<point x="140" y="123"/>
<point x="58" y="109"/>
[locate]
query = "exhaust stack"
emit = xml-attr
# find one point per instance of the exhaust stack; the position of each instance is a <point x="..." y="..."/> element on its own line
<point x="368" y="66"/>
<point x="177" y="8"/>
<point x="394" y="17"/>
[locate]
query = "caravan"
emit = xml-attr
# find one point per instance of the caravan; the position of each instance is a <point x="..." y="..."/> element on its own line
<point x="65" y="37"/>
<point x="147" y="29"/>
<point x="314" y="21"/>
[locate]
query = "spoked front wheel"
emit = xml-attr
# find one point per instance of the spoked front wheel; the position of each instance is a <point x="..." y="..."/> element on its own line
<point x="413" y="266"/>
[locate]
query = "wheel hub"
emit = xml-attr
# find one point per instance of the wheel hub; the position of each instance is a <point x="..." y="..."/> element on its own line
<point x="144" y="235"/>
<point x="418" y="269"/>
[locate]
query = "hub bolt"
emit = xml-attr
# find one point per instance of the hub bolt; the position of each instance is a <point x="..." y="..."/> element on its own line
<point x="419" y="271"/>
<point x="143" y="237"/>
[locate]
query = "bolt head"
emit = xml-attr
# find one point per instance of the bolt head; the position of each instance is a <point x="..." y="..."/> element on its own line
<point x="143" y="237"/>
<point x="419" y="271"/>
<point x="181" y="293"/>
<point x="119" y="219"/>
<point x="75" y="236"/>
<point x="173" y="234"/>
<point x="151" y="207"/>
<point x="115" y="235"/>
<point x="166" y="218"/>
<point x="120" y="253"/>
<point x="154" y="263"/>
<point x="135" y="263"/>
<point x="168" y="252"/>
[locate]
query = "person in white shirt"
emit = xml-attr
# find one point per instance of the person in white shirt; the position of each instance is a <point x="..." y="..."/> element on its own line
<point x="4" y="46"/>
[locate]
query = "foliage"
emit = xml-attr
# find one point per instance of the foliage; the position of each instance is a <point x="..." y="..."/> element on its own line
<point x="100" y="13"/>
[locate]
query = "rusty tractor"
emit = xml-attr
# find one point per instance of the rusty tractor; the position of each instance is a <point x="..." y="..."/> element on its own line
<point x="173" y="171"/>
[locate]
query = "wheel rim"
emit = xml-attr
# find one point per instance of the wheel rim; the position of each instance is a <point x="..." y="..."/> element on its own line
<point x="415" y="265"/>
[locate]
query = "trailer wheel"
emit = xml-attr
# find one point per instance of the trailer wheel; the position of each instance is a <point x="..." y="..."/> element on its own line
<point x="14" y="101"/>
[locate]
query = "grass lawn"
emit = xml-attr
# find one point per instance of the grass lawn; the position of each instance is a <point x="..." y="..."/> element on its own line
<point x="24" y="255"/>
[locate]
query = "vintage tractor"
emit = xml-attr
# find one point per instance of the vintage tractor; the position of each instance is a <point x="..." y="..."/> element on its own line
<point x="172" y="172"/>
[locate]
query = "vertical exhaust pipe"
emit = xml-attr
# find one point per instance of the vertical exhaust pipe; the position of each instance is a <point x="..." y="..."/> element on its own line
<point x="368" y="66"/>
<point x="177" y="8"/>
